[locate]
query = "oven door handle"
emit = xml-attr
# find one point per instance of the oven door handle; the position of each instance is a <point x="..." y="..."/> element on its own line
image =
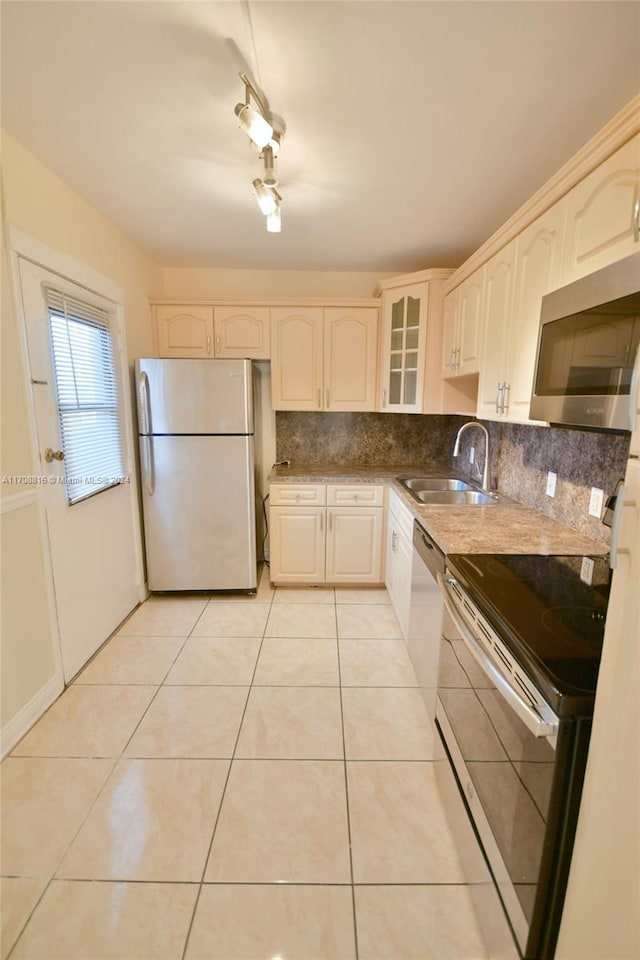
<point x="532" y="720"/>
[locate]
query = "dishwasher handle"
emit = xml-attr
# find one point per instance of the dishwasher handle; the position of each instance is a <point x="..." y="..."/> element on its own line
<point x="428" y="550"/>
<point x="532" y="720"/>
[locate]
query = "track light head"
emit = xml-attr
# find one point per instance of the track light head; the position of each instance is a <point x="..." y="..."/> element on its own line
<point x="254" y="124"/>
<point x="274" y="222"/>
<point x="267" y="199"/>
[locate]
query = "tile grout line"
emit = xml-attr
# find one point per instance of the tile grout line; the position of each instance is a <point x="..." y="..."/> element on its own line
<point x="226" y="782"/>
<point x="346" y="787"/>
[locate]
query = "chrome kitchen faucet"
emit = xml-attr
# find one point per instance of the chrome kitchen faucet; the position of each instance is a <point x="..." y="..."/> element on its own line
<point x="456" y="448"/>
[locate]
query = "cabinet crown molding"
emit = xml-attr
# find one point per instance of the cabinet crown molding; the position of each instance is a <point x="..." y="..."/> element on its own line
<point x="420" y="276"/>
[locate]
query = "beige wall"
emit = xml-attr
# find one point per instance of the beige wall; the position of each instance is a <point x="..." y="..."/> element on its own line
<point x="208" y="283"/>
<point x="38" y="203"/>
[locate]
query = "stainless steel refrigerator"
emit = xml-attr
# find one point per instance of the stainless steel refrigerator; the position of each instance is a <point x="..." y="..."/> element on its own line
<point x="196" y="432"/>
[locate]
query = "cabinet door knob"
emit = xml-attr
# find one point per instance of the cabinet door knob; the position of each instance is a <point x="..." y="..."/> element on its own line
<point x="208" y="344"/>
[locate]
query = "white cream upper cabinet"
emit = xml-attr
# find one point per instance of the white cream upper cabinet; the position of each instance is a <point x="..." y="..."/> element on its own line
<point x="470" y="323"/>
<point x="450" y="333"/>
<point x="602" y="215"/>
<point x="462" y="335"/>
<point x="494" y="379"/>
<point x="404" y="330"/>
<point x="538" y="268"/>
<point x="324" y="358"/>
<point x="350" y="345"/>
<point x="296" y="358"/>
<point x="184" y="331"/>
<point x="242" y="332"/>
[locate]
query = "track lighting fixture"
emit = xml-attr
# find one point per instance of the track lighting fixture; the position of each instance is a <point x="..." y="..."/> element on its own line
<point x="265" y="132"/>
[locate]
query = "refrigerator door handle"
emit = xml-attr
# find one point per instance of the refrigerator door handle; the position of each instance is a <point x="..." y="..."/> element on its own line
<point x="149" y="474"/>
<point x="145" y="406"/>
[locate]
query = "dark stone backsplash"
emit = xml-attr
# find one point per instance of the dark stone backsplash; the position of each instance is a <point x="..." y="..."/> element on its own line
<point x="362" y="439"/>
<point x="521" y="455"/>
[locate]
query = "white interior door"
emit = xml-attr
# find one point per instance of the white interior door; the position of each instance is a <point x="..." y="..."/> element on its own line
<point x="93" y="543"/>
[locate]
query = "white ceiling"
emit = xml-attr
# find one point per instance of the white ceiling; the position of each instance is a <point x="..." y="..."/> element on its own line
<point x="414" y="129"/>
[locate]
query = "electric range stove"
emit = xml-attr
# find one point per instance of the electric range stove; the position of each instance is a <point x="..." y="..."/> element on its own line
<point x="550" y="611"/>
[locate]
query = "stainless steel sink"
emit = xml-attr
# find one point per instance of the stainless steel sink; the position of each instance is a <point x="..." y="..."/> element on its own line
<point x="416" y="484"/>
<point x="447" y="490"/>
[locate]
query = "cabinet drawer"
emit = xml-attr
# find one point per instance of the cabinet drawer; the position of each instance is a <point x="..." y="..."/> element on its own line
<point x="355" y="494"/>
<point x="303" y="494"/>
<point x="402" y="517"/>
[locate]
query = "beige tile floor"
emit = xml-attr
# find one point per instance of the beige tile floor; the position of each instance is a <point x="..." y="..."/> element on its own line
<point x="235" y="778"/>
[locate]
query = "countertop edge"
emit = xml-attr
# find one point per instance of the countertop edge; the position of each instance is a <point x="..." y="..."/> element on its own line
<point x="509" y="528"/>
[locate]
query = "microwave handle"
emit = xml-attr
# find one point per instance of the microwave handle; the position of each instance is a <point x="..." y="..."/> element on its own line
<point x="532" y="720"/>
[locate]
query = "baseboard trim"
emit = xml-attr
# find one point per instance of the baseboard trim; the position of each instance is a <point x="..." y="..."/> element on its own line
<point x="29" y="714"/>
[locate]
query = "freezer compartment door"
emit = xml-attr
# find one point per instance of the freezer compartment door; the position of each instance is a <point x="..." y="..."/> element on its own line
<point x="199" y="512"/>
<point x="194" y="396"/>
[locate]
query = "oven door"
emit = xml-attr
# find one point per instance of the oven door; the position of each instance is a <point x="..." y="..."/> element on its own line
<point x="502" y="748"/>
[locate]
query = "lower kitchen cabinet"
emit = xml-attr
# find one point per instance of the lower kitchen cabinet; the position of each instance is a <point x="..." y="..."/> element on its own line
<point x="326" y="533"/>
<point x="297" y="544"/>
<point x="354" y="545"/>
<point x="399" y="559"/>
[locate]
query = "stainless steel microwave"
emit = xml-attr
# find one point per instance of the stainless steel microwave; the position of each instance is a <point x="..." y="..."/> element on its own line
<point x="588" y="361"/>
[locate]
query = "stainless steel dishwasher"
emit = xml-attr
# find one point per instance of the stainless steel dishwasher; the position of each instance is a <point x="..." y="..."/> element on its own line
<point x="425" y="613"/>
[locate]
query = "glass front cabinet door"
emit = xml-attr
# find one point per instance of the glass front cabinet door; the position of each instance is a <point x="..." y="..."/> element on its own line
<point x="404" y="333"/>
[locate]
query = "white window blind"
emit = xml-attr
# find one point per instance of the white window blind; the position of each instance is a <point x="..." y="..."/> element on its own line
<point x="87" y="395"/>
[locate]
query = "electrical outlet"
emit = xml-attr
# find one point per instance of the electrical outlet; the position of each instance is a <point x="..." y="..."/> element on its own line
<point x="586" y="570"/>
<point x="551" y="483"/>
<point x="595" y="502"/>
<point x="472" y="454"/>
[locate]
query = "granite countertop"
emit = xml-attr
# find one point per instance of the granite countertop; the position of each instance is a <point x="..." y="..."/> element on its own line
<point x="507" y="527"/>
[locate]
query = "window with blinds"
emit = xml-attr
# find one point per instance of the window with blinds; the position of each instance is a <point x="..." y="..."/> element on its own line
<point x="87" y="395"/>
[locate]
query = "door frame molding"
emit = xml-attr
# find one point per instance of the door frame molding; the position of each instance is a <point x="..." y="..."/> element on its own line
<point x="22" y="246"/>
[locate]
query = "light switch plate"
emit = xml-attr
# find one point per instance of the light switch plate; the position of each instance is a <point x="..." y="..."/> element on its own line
<point x="586" y="570"/>
<point x="551" y="483"/>
<point x="595" y="502"/>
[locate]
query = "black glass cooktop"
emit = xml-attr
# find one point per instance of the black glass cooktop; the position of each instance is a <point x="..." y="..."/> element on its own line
<point x="551" y="619"/>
